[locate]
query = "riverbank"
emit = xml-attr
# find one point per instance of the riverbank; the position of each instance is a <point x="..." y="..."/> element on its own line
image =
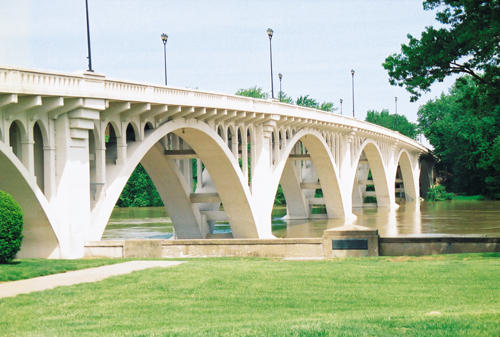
<point x="411" y="218"/>
<point x="453" y="295"/>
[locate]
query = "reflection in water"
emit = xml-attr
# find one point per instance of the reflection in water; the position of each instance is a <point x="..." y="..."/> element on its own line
<point x="412" y="218"/>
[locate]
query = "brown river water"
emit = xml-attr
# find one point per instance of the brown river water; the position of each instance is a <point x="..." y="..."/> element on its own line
<point x="410" y="219"/>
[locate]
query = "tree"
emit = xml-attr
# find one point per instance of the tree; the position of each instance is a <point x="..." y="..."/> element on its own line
<point x="255" y="92"/>
<point x="284" y="98"/>
<point x="328" y="106"/>
<point x="394" y="122"/>
<point x="307" y="102"/>
<point x="470" y="44"/>
<point x="139" y="191"/>
<point x="466" y="142"/>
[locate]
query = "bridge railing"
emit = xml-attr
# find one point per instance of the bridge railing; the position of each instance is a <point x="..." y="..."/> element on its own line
<point x="16" y="80"/>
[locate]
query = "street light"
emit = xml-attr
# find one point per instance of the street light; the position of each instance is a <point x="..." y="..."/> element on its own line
<point x="280" y="77"/>
<point x="88" y="36"/>
<point x="270" y="34"/>
<point x="352" y="73"/>
<point x="164" y="38"/>
<point x="341" y="106"/>
<point x="396" y="119"/>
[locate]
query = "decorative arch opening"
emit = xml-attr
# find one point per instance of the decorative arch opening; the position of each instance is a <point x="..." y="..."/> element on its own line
<point x="148" y="127"/>
<point x="110" y="140"/>
<point x="250" y="153"/>
<point x="240" y="150"/>
<point x="230" y="137"/>
<point x="38" y="156"/>
<point x="15" y="139"/>
<point x="130" y="133"/>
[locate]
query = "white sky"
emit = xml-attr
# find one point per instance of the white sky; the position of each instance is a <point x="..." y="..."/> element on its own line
<point x="222" y="45"/>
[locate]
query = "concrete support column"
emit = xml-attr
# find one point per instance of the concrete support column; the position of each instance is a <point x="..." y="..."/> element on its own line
<point x="121" y="149"/>
<point x="244" y="156"/>
<point x="261" y="179"/>
<point x="234" y="145"/>
<point x="347" y="174"/>
<point x="27" y="154"/>
<point x="49" y="162"/>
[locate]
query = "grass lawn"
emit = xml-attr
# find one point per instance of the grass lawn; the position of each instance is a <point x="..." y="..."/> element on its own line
<point x="448" y="295"/>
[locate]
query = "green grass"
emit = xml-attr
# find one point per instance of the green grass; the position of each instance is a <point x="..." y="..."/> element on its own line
<point x="469" y="198"/>
<point x="449" y="295"/>
<point x="29" y="268"/>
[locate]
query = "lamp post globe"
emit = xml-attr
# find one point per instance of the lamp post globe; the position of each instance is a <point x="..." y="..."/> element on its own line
<point x="164" y="38"/>
<point x="270" y="33"/>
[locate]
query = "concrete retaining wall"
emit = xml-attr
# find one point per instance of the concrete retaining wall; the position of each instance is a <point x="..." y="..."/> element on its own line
<point x="437" y="245"/>
<point x="284" y="248"/>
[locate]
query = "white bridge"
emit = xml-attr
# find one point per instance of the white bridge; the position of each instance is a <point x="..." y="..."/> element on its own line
<point x="69" y="143"/>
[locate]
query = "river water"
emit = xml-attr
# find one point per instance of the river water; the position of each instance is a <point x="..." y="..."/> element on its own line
<point x="410" y="219"/>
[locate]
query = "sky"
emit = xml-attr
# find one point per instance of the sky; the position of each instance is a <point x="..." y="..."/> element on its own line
<point x="222" y="45"/>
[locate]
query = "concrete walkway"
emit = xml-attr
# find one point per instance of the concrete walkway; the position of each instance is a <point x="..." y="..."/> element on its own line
<point x="11" y="289"/>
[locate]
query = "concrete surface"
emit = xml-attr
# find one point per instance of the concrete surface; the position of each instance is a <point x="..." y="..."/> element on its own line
<point x="11" y="289"/>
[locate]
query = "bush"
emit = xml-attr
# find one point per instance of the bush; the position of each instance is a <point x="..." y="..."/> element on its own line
<point x="438" y="193"/>
<point x="11" y="228"/>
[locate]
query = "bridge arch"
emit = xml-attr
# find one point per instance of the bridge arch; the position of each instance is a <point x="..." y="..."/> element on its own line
<point x="326" y="169"/>
<point x="410" y="180"/>
<point x="215" y="155"/>
<point x="41" y="231"/>
<point x="385" y="197"/>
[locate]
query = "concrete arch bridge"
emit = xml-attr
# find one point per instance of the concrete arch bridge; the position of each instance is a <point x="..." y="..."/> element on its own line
<point x="69" y="143"/>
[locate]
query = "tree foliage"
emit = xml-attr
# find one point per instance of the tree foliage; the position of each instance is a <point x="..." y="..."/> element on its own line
<point x="464" y="128"/>
<point x="11" y="227"/>
<point x="139" y="191"/>
<point x="468" y="44"/>
<point x="394" y="122"/>
<point x="255" y="92"/>
<point x="284" y="98"/>
<point x="306" y="101"/>
<point x="312" y="103"/>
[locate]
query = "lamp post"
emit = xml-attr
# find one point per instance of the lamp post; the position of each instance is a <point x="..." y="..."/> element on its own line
<point x="88" y="36"/>
<point x="341" y="106"/>
<point x="352" y="73"/>
<point x="164" y="38"/>
<point x="396" y="117"/>
<point x="270" y="34"/>
<point x="280" y="77"/>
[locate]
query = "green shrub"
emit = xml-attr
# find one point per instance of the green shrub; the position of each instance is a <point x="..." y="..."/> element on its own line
<point x="438" y="193"/>
<point x="11" y="228"/>
<point x="370" y="199"/>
